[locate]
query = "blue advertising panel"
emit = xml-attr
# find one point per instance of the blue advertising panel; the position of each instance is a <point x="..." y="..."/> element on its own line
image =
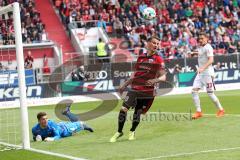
<point x="10" y="78"/>
<point x="221" y="77"/>
<point x="12" y="93"/>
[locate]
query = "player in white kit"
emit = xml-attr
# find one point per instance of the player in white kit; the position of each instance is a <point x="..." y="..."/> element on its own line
<point x="204" y="78"/>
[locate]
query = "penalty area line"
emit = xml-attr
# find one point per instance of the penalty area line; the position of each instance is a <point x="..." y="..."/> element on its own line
<point x="190" y="153"/>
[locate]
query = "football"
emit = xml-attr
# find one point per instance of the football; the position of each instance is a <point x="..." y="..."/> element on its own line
<point x="149" y="13"/>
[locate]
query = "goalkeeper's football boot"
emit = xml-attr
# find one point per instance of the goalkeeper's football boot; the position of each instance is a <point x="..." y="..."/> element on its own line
<point x="86" y="127"/>
<point x="197" y="115"/>
<point x="67" y="109"/>
<point x="131" y="136"/>
<point x="116" y="136"/>
<point x="220" y="113"/>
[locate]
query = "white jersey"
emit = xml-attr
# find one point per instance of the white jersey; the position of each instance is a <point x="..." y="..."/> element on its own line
<point x="203" y="54"/>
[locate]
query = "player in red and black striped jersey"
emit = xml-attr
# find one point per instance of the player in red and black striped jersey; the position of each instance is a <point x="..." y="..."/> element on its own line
<point x="149" y="70"/>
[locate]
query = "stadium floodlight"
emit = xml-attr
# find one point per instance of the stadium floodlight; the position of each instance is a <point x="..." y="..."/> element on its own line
<point x="15" y="9"/>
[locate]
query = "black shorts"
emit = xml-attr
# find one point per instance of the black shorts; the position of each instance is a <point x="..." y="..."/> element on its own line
<point x="138" y="100"/>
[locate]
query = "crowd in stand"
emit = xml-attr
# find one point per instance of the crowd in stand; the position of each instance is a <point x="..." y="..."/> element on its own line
<point x="33" y="29"/>
<point x="177" y="24"/>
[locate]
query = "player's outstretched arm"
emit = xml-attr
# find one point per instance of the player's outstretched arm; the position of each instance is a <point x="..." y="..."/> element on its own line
<point x="56" y="132"/>
<point x="34" y="133"/>
<point x="36" y="136"/>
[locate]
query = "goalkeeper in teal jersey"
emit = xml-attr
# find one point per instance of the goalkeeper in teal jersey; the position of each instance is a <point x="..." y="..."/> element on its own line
<point x="48" y="130"/>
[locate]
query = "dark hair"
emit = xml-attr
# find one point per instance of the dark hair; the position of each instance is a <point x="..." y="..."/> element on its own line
<point x="203" y="34"/>
<point x="41" y="114"/>
<point x="153" y="37"/>
<point x="100" y="39"/>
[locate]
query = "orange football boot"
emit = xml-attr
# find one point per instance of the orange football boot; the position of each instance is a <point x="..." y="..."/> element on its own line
<point x="220" y="113"/>
<point x="197" y="115"/>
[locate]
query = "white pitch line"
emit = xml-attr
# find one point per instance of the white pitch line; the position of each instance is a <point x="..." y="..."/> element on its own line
<point x="10" y="145"/>
<point x="43" y="152"/>
<point x="209" y="114"/>
<point x="190" y="153"/>
<point x="55" y="154"/>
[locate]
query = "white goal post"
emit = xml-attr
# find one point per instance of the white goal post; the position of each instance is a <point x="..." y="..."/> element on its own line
<point x="14" y="7"/>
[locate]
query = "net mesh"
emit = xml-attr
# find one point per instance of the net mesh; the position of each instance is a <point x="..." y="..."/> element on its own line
<point x="10" y="121"/>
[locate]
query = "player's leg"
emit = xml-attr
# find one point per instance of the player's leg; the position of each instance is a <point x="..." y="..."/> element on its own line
<point x="210" y="91"/>
<point x="197" y="85"/>
<point x="128" y="102"/>
<point x="70" y="128"/>
<point x="80" y="125"/>
<point x="121" y="121"/>
<point x="72" y="117"/>
<point x="142" y="106"/>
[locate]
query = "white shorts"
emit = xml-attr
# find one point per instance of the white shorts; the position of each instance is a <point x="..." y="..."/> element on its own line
<point x="202" y="81"/>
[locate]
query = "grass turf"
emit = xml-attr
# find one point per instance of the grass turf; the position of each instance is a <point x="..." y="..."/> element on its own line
<point x="26" y="155"/>
<point x="157" y="135"/>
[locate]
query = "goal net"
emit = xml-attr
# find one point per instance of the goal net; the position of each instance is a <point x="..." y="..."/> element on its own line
<point x="14" y="128"/>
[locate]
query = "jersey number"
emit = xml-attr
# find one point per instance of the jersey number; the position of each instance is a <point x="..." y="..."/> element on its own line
<point x="209" y="85"/>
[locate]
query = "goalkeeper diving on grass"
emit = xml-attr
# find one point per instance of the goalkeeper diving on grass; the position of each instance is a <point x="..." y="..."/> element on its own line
<point x="48" y="130"/>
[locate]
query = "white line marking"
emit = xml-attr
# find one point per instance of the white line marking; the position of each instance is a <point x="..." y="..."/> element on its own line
<point x="190" y="153"/>
<point x="10" y="145"/>
<point x="209" y="114"/>
<point x="43" y="152"/>
<point x="55" y="154"/>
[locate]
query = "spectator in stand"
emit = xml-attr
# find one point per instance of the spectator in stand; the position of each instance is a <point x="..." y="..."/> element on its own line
<point x="218" y="66"/>
<point x="118" y="27"/>
<point x="105" y="15"/>
<point x="232" y="48"/>
<point x="28" y="61"/>
<point x="142" y="6"/>
<point x="134" y="39"/>
<point x="32" y="25"/>
<point x="127" y="28"/>
<point x="237" y="43"/>
<point x="101" y="23"/>
<point x="177" y="20"/>
<point x="44" y="36"/>
<point x="46" y="69"/>
<point x="74" y="76"/>
<point x="192" y="42"/>
<point x="220" y="29"/>
<point x="81" y="73"/>
<point x="1" y="66"/>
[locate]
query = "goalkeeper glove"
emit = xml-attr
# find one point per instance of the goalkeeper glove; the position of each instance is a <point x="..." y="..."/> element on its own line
<point x="38" y="138"/>
<point x="49" y="139"/>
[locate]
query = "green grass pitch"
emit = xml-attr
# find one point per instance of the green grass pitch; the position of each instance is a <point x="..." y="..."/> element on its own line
<point x="157" y="136"/>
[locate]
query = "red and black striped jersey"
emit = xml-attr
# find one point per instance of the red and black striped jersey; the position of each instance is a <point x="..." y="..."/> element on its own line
<point x="146" y="68"/>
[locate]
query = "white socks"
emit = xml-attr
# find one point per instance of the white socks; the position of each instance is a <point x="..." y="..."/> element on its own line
<point x="215" y="100"/>
<point x="213" y="97"/>
<point x="196" y="100"/>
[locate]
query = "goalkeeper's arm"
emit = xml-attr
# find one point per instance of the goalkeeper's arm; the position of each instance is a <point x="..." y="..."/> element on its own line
<point x="55" y="131"/>
<point x="34" y="133"/>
